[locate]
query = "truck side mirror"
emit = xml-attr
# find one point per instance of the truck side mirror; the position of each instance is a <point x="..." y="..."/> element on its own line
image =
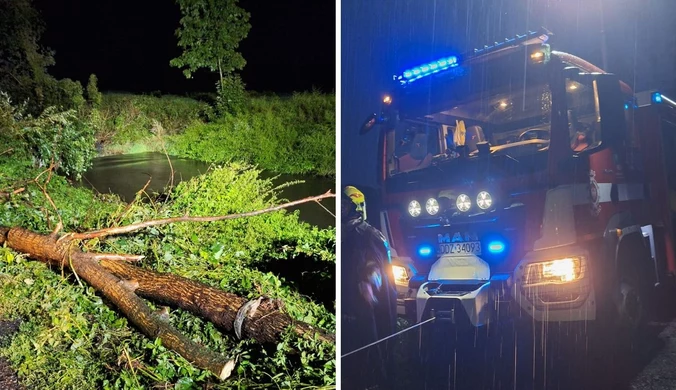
<point x="370" y="123"/>
<point x="610" y="103"/>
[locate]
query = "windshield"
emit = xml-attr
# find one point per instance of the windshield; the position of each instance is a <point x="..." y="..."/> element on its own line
<point x="512" y="118"/>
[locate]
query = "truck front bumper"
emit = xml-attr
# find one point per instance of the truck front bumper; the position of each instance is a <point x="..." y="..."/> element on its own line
<point x="501" y="300"/>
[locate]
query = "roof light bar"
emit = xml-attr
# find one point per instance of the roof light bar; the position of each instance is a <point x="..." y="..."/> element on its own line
<point x="420" y="71"/>
<point x="413" y="74"/>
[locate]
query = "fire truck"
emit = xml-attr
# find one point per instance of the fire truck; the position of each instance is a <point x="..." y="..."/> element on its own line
<point x="520" y="181"/>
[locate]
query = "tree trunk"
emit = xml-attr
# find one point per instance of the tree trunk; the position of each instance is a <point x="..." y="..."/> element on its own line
<point x="265" y="325"/>
<point x="220" y="74"/>
<point x="121" y="282"/>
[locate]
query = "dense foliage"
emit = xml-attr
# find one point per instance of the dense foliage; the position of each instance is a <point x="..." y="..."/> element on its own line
<point x="71" y="339"/>
<point x="284" y="135"/>
<point x="209" y="35"/>
<point x="292" y="135"/>
<point x="54" y="137"/>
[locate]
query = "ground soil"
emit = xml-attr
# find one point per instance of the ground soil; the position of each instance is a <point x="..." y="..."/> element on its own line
<point x="8" y="378"/>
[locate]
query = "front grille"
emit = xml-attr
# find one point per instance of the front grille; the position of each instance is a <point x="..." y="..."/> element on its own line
<point x="562" y="296"/>
<point x="452" y="288"/>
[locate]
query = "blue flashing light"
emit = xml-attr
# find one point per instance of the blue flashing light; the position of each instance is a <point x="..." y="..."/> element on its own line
<point x="427" y="69"/>
<point x="425" y="250"/>
<point x="657" y="97"/>
<point x="626" y="106"/>
<point x="496" y="247"/>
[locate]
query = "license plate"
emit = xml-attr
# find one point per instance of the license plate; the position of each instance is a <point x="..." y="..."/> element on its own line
<point x="460" y="248"/>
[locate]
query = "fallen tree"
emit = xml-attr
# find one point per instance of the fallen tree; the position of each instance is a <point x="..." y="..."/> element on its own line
<point x="124" y="285"/>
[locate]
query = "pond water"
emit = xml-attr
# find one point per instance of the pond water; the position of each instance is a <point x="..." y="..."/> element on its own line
<point x="125" y="174"/>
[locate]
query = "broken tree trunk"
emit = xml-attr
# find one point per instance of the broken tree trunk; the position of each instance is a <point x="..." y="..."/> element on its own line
<point x="47" y="248"/>
<point x="265" y="325"/>
<point x="122" y="284"/>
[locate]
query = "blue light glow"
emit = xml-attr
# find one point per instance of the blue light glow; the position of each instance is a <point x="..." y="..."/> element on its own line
<point x="496" y="247"/>
<point x="423" y="70"/>
<point x="425" y="250"/>
<point x="657" y="97"/>
<point x="626" y="106"/>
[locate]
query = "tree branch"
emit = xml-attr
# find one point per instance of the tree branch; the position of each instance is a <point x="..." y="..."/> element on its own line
<point x="8" y="194"/>
<point x="157" y="222"/>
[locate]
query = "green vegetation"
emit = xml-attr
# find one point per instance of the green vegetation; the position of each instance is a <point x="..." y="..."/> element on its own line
<point x="284" y="135"/>
<point x="210" y="33"/>
<point x="294" y="135"/>
<point x="71" y="339"/>
<point x="54" y="137"/>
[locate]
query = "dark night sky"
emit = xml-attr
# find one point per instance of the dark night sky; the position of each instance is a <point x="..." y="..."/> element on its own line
<point x="128" y="45"/>
<point x="383" y="37"/>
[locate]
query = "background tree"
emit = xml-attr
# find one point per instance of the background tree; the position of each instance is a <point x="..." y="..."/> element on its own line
<point x="23" y="61"/>
<point x="210" y="33"/>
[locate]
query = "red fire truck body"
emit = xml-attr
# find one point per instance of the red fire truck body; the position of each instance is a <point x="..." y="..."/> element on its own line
<point x="524" y="180"/>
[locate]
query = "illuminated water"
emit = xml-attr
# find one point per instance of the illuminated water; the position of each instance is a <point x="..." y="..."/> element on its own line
<point x="126" y="174"/>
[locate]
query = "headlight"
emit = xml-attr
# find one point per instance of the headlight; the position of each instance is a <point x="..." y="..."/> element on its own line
<point x="484" y="200"/>
<point x="400" y="274"/>
<point x="555" y="271"/>
<point x="463" y="203"/>
<point x="414" y="208"/>
<point x="432" y="206"/>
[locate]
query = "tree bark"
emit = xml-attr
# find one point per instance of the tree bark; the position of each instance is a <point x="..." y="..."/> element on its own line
<point x="265" y="325"/>
<point x="49" y="249"/>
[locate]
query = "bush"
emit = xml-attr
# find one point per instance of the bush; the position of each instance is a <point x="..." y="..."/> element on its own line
<point x="61" y="138"/>
<point x="70" y="95"/>
<point x="94" y="97"/>
<point x="231" y="95"/>
<point x="292" y="135"/>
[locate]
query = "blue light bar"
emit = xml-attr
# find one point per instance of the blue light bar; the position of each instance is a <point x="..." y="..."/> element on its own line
<point x="496" y="247"/>
<point x="410" y="75"/>
<point x="425" y="250"/>
<point x="656" y="97"/>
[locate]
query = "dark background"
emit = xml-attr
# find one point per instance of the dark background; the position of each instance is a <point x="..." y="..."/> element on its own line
<point x="381" y="38"/>
<point x="128" y="44"/>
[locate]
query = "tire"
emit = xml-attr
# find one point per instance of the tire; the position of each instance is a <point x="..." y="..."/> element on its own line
<point x="626" y="306"/>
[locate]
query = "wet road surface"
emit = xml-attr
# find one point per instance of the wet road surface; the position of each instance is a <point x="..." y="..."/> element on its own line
<point x="566" y="359"/>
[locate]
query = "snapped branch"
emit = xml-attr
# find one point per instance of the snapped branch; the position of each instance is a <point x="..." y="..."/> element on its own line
<point x="186" y="218"/>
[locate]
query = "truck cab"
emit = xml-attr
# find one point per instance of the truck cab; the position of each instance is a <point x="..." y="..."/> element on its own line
<point x="513" y="181"/>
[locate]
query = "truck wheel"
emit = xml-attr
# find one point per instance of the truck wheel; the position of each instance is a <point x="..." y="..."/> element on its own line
<point x="635" y="292"/>
<point x="633" y="298"/>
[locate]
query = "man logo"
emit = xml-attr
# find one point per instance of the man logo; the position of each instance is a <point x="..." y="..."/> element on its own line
<point x="457" y="237"/>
